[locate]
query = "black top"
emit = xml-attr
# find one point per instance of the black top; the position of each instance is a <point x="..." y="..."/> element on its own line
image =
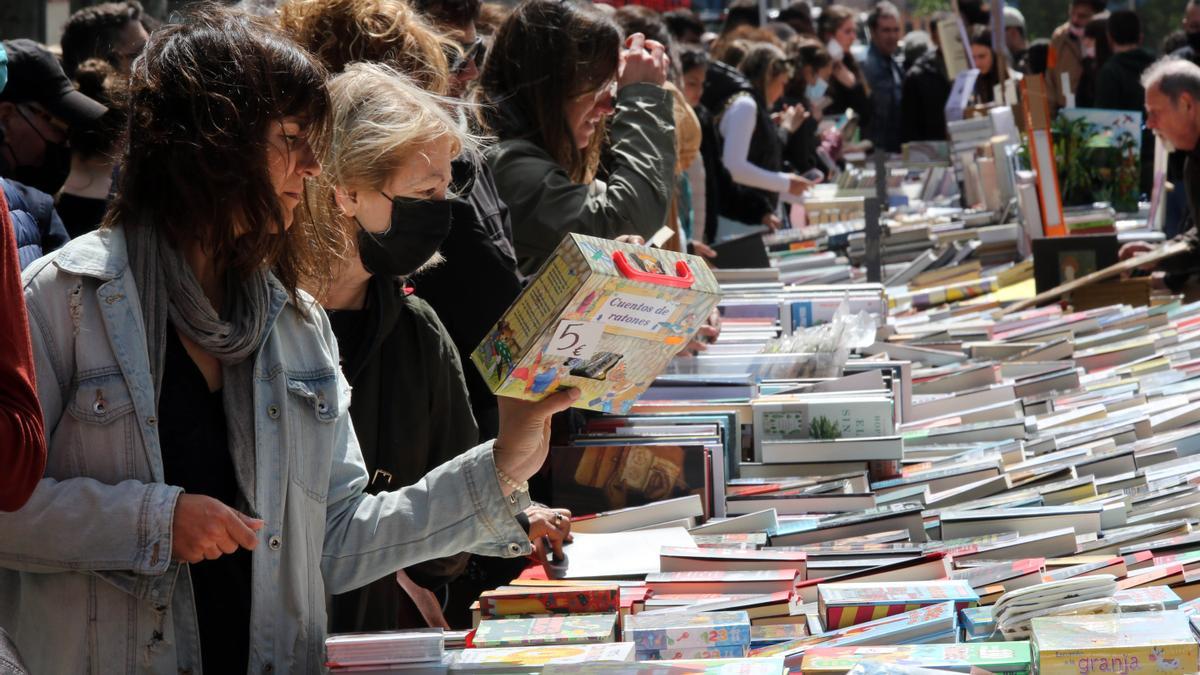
<point x="411" y="413"/>
<point x="80" y="215"/>
<point x="471" y="290"/>
<point x="195" y="454"/>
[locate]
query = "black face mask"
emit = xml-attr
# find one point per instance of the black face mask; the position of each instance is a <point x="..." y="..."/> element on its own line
<point x="54" y="169"/>
<point x="418" y="227"/>
<point x="1193" y="40"/>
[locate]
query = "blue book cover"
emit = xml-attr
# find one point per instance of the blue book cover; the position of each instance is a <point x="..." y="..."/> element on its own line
<point x="678" y="630"/>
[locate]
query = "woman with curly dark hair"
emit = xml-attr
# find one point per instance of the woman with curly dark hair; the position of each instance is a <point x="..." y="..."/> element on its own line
<point x="204" y="488"/>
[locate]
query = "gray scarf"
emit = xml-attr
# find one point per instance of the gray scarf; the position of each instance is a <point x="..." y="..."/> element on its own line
<point x="167" y="287"/>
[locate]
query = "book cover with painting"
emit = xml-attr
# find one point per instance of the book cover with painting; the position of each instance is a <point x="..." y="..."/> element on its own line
<point x="546" y="630"/>
<point x="600" y="315"/>
<point x="595" y="479"/>
<point x="1159" y="642"/>
<point x="679" y="630"/>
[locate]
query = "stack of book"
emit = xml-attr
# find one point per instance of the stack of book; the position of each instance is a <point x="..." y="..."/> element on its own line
<point x="701" y="635"/>
<point x="393" y="651"/>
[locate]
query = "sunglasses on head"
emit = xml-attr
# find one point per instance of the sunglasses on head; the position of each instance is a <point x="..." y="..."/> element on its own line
<point x="475" y="51"/>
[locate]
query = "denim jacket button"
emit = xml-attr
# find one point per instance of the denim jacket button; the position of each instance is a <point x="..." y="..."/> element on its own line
<point x="152" y="421"/>
<point x="275" y="542"/>
<point x="273" y="411"/>
<point x="514" y="548"/>
<point x="268" y="668"/>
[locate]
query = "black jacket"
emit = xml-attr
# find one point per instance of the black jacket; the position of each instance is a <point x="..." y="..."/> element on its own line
<point x="411" y="414"/>
<point x="478" y="281"/>
<point x="923" y="103"/>
<point x="739" y="202"/>
<point x="1118" y="83"/>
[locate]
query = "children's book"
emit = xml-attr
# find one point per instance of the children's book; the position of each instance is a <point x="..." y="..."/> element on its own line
<point x="478" y="659"/>
<point x="848" y="604"/>
<point x="546" y="630"/>
<point x="1142" y="641"/>
<point x="994" y="657"/>
<point x="570" y="600"/>
<point x="656" y="632"/>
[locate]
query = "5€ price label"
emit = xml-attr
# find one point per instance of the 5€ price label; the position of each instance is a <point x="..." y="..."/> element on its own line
<point x="575" y="339"/>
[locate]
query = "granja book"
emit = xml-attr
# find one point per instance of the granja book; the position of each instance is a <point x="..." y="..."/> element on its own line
<point x="1140" y="642"/>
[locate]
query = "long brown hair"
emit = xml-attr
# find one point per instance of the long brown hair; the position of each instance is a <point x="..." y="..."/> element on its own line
<point x="832" y="18"/>
<point x="196" y="165"/>
<point x="546" y="53"/>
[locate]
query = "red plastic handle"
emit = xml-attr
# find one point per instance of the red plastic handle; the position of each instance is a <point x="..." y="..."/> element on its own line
<point x="684" y="278"/>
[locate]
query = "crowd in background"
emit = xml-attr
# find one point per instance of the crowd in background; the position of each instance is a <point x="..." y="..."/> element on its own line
<point x="188" y="469"/>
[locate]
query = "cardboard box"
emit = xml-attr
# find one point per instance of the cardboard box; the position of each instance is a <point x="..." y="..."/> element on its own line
<point x="602" y="316"/>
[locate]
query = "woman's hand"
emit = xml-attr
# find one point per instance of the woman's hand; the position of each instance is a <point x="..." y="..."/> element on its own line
<point x="642" y="60"/>
<point x="798" y="185"/>
<point x="426" y="601"/>
<point x="205" y="529"/>
<point x="635" y="239"/>
<point x="702" y="249"/>
<point x="549" y="529"/>
<point x="772" y="221"/>
<point x="843" y="74"/>
<point x="524" y="437"/>
<point x="791" y="117"/>
<point x="707" y="334"/>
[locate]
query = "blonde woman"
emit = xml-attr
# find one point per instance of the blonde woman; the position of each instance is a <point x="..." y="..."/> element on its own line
<point x="387" y="172"/>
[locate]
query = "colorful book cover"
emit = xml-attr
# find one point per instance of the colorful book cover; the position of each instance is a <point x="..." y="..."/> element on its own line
<point x="994" y="657"/>
<point x="546" y="630"/>
<point x="715" y="581"/>
<point x="678" y="630"/>
<point x="1140" y="641"/>
<point x="977" y="622"/>
<point x="848" y="604"/>
<point x="600" y="315"/>
<point x="546" y="654"/>
<point x="580" y="600"/>
<point x="1148" y="598"/>
<point x="910" y="627"/>
<point x="766" y="666"/>
<point x="761" y="636"/>
<point x="677" y="653"/>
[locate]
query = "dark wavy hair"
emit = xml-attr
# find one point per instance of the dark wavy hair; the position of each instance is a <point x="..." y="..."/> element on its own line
<point x="99" y="81"/>
<point x="203" y="97"/>
<point x="546" y="53"/>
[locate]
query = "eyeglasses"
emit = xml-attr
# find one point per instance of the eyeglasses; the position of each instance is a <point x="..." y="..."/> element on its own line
<point x="475" y="51"/>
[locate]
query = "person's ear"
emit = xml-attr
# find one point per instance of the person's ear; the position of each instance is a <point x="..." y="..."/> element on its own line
<point x="347" y="201"/>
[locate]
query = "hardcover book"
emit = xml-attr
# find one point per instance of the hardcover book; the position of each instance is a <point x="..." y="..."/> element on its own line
<point x="575" y="600"/>
<point x="994" y="657"/>
<point x="544" y="655"/>
<point x="678" y="630"/>
<point x="676" y="653"/>
<point x="1142" y="641"/>
<point x="546" y="630"/>
<point x="848" y="604"/>
<point x="600" y="315"/>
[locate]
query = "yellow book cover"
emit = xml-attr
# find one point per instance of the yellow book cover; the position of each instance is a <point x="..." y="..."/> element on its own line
<point x="1152" y="642"/>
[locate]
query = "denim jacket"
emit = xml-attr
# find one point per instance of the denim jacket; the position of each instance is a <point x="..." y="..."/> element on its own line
<point x="87" y="584"/>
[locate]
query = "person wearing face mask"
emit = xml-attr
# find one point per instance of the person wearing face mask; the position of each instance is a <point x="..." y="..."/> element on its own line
<point x="384" y="191"/>
<point x="809" y="88"/>
<point x="37" y="106"/>
<point x="848" y="89"/>
<point x="1066" y="49"/>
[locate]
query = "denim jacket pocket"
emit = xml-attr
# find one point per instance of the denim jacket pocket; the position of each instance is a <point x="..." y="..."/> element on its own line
<point x="316" y="402"/>
<point x="101" y="398"/>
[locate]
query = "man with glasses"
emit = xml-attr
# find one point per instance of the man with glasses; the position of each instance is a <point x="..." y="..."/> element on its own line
<point x="37" y="106"/>
<point x="111" y="31"/>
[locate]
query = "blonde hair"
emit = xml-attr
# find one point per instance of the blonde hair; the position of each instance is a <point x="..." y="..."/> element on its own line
<point x="341" y="32"/>
<point x="380" y="119"/>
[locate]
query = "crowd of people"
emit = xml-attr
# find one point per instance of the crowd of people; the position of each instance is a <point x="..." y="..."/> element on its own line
<point x="228" y="222"/>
